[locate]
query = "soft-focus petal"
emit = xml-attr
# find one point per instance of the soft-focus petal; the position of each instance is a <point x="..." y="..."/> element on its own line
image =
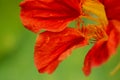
<point x="51" y="48"/>
<point x="114" y="35"/>
<point x="112" y="8"/>
<point x="114" y="25"/>
<point x="96" y="56"/>
<point x="51" y="15"/>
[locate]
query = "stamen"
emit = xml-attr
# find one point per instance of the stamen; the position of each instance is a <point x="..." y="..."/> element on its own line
<point x="94" y="33"/>
<point x="79" y="22"/>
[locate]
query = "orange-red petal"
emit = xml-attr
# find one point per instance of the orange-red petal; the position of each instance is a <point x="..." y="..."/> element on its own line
<point x="51" y="15"/>
<point x="112" y="8"/>
<point x="53" y="47"/>
<point x="114" y="35"/>
<point x="96" y="56"/>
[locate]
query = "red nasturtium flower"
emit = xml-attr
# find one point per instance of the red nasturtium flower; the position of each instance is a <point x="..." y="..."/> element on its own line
<point x="104" y="48"/>
<point x="57" y="42"/>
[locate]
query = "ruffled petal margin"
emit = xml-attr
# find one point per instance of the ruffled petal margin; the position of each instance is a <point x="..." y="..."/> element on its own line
<point x="51" y="48"/>
<point x="51" y="15"/>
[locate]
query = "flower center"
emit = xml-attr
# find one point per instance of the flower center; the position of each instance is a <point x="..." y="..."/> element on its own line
<point x="93" y="21"/>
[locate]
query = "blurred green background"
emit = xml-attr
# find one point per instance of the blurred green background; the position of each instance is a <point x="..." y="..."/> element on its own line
<point x="16" y="53"/>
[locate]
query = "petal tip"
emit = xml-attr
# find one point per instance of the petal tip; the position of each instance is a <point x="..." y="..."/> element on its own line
<point x="86" y="71"/>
